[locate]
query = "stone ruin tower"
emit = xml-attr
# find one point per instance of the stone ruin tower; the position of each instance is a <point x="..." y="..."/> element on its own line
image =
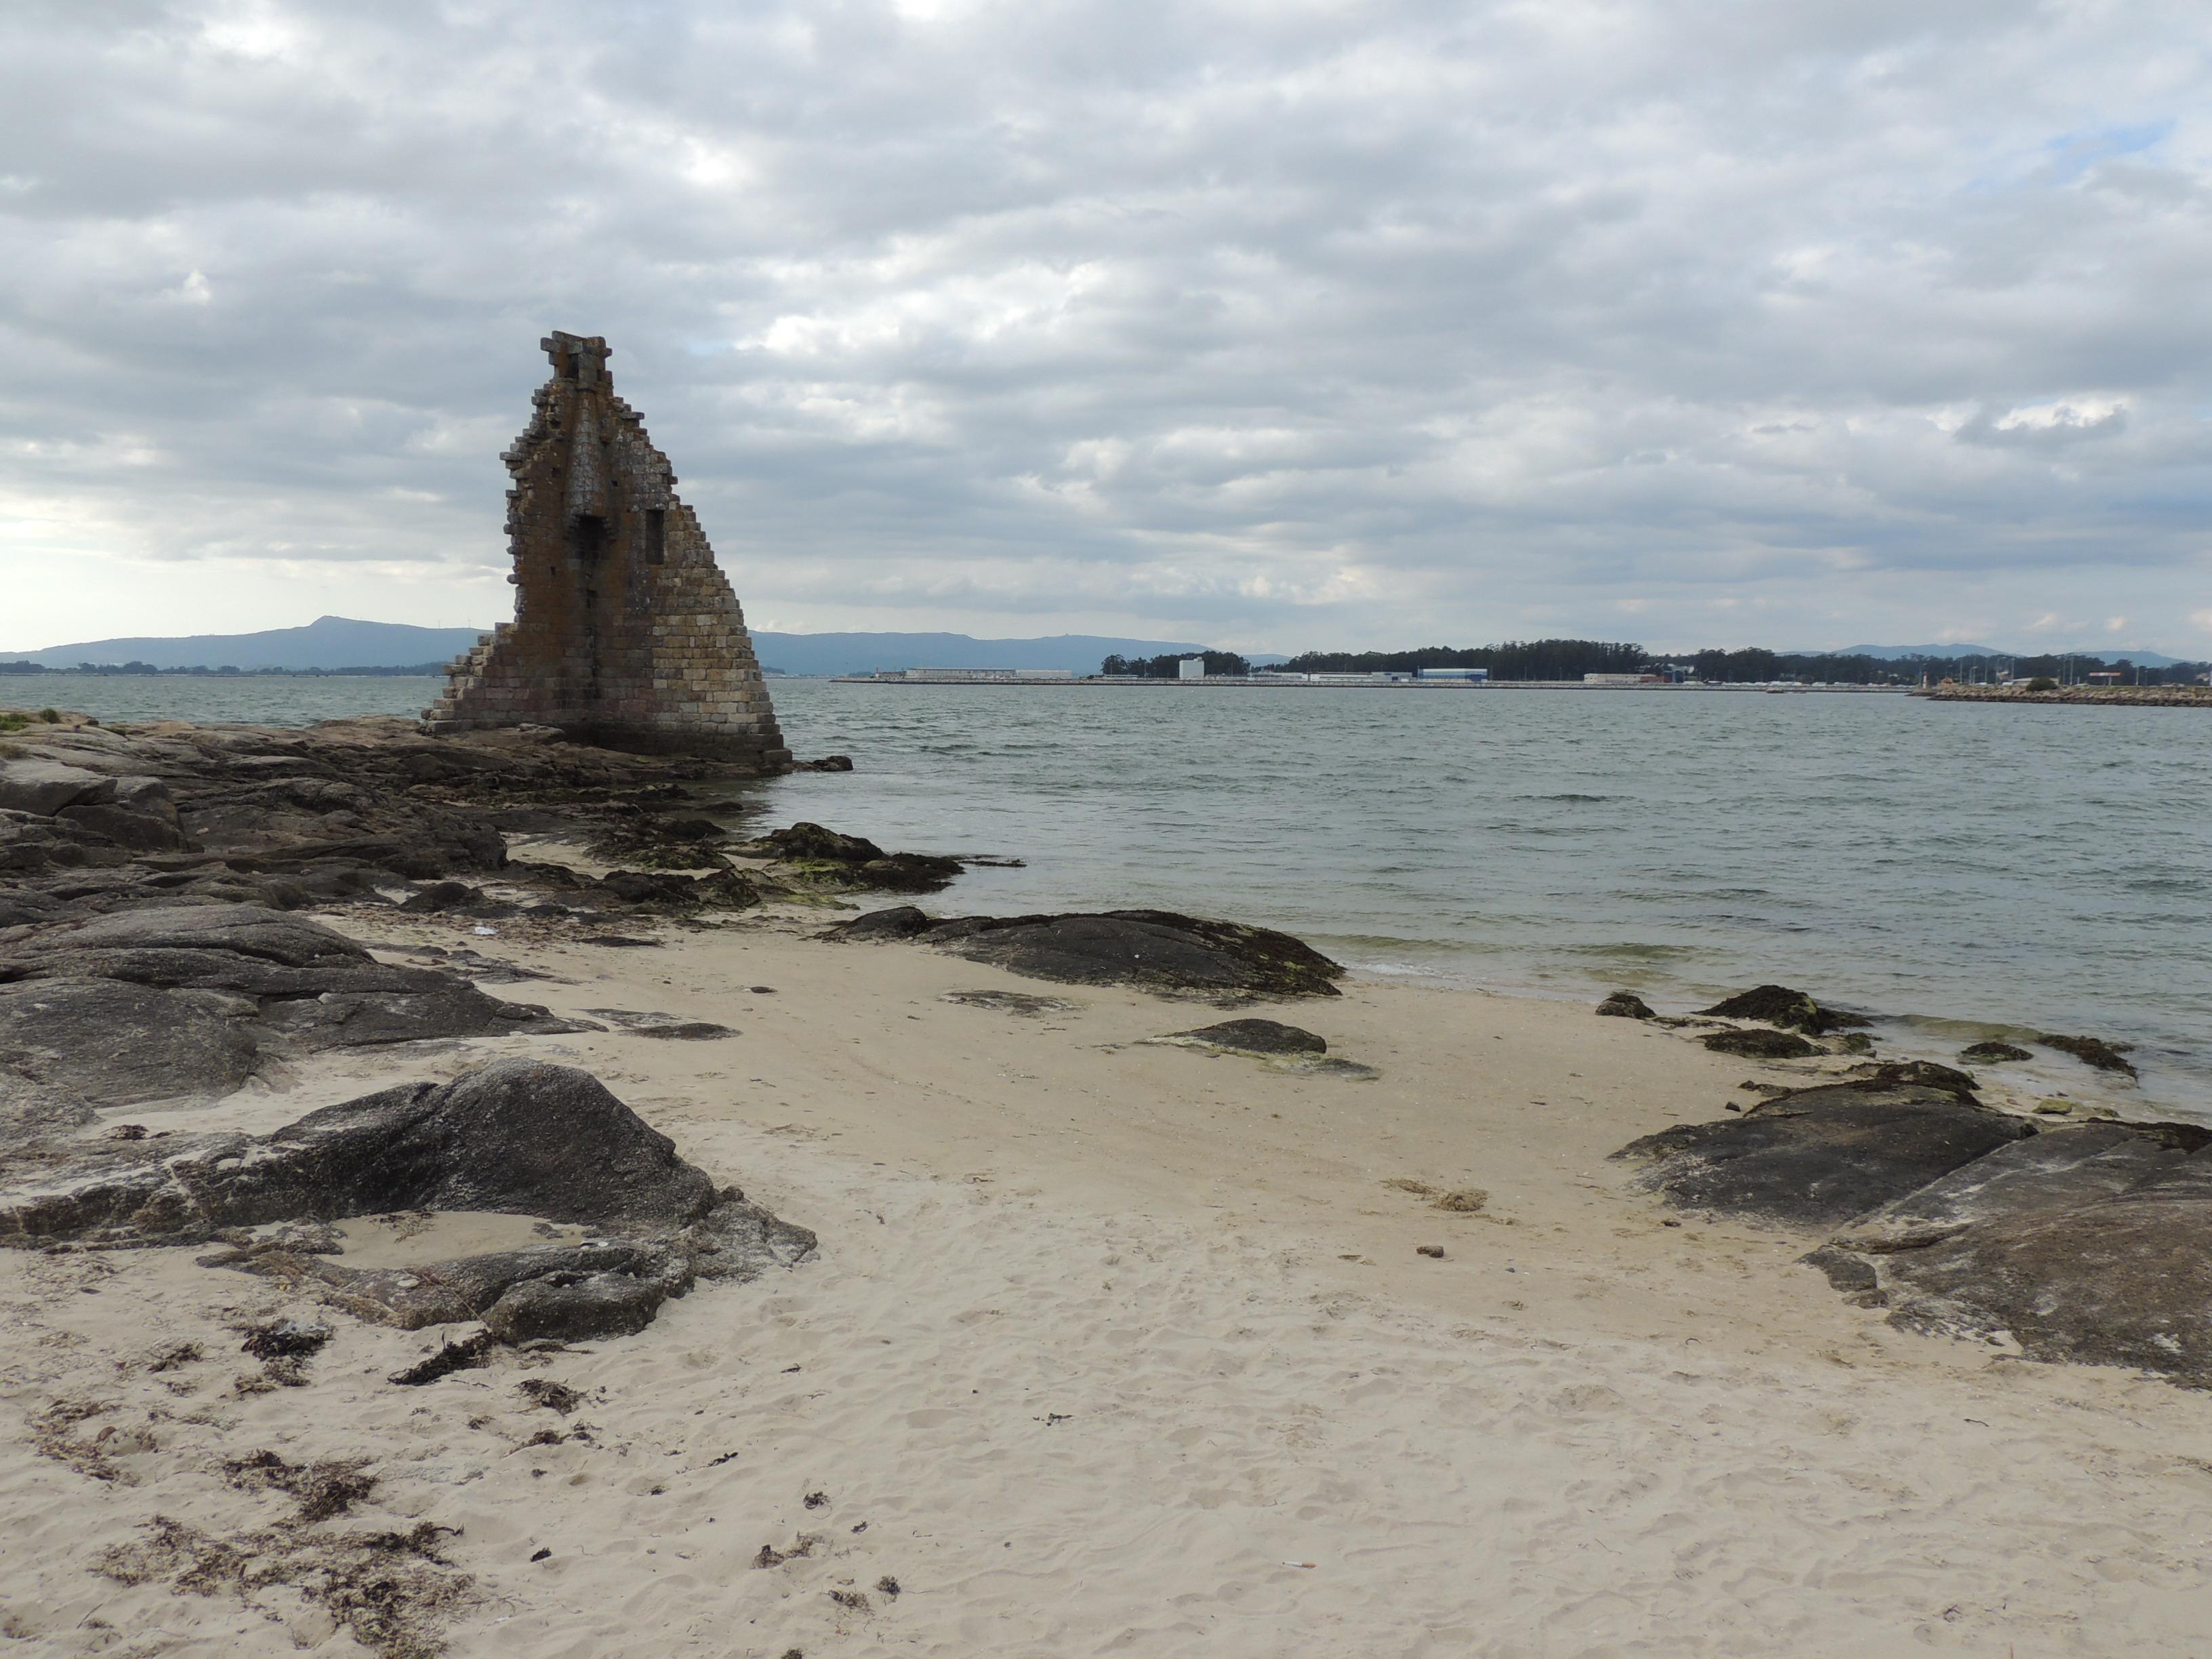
<point x="625" y="632"/>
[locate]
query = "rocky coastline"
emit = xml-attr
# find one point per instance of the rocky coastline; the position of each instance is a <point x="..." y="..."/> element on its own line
<point x="155" y="953"/>
<point x="154" y="950"/>
<point x="2098" y="696"/>
<point x="399" y="938"/>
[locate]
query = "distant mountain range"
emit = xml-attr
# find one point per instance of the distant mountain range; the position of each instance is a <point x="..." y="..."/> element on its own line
<point x="327" y="642"/>
<point x="332" y="642"/>
<point x="1892" y="653"/>
<point x="335" y="642"/>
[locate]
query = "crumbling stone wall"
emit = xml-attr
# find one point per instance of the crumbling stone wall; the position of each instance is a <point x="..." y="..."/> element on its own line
<point x="625" y="632"/>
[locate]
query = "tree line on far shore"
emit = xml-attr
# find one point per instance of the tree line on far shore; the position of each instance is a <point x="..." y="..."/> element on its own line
<point x="1754" y="665"/>
<point x="1570" y="660"/>
<point x="1517" y="660"/>
<point x="1170" y="666"/>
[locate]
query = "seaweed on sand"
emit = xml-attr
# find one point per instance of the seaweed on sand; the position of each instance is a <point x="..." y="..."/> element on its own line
<point x="389" y="1589"/>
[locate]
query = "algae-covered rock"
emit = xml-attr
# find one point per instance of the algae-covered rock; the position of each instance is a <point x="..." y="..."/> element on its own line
<point x="2094" y="1052"/>
<point x="1760" y="1045"/>
<point x="826" y="857"/>
<point x="1778" y="1005"/>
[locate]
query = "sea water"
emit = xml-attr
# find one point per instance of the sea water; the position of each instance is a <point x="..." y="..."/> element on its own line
<point x="1959" y="869"/>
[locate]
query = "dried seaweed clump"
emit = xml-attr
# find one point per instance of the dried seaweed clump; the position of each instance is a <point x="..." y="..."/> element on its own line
<point x="391" y="1591"/>
<point x="553" y="1396"/>
<point x="321" y="1489"/>
<point x="54" y="1434"/>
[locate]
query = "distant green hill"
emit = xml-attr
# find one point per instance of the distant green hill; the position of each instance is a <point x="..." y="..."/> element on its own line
<point x="326" y="642"/>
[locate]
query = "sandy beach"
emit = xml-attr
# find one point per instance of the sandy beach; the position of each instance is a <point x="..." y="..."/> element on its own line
<point x="1115" y="1348"/>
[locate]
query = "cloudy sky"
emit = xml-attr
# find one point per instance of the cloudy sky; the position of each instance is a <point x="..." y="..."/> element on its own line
<point x="1266" y="324"/>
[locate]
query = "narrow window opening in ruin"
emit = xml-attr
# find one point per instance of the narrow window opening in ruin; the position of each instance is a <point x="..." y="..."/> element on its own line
<point x="568" y="362"/>
<point x="656" y="535"/>
<point x="587" y="537"/>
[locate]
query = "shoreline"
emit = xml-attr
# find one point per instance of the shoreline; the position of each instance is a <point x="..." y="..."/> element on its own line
<point x="1929" y="1037"/>
<point x="1253" y="682"/>
<point x="2098" y="696"/>
<point x="1113" y="1341"/>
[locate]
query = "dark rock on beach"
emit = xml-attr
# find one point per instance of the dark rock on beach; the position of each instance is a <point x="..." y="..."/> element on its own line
<point x="2092" y="1242"/>
<point x="2122" y="1278"/>
<point x="572" y="1307"/>
<point x="669" y="1027"/>
<point x="824" y="857"/>
<point x="1923" y="1073"/>
<point x="1816" y="1158"/>
<point x="1777" y="1004"/>
<point x="1760" y="1045"/>
<point x="665" y="893"/>
<point x="180" y="1001"/>
<point x="519" y="1136"/>
<point x="151" y="951"/>
<point x="1258" y="1036"/>
<point x="440" y="895"/>
<point x="516" y="1136"/>
<point x="1153" y="950"/>
<point x="636" y="833"/>
<point x="2053" y="1170"/>
<point x="2092" y="1052"/>
<point x="1010" y="1002"/>
<point x="1993" y="1054"/>
<point x="899" y="921"/>
<point x="116" y="1044"/>
<point x="1626" y="1005"/>
<point x="804" y="842"/>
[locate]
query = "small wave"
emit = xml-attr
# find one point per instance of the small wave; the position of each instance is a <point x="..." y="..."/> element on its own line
<point x="1629" y="952"/>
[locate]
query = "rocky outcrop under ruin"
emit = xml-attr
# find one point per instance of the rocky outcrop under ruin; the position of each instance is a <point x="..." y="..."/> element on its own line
<point x="95" y="819"/>
<point x="369" y="811"/>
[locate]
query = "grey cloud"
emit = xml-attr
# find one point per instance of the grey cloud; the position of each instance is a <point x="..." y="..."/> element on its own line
<point x="2056" y="428"/>
<point x="1290" y="325"/>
